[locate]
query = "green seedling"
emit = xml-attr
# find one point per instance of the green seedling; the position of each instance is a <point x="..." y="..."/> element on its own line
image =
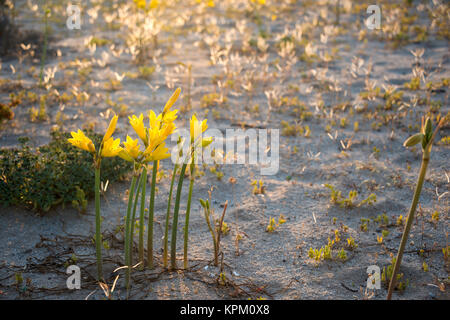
<point x="258" y="187"/>
<point x="215" y="226"/>
<point x="272" y="226"/>
<point x="425" y="139"/>
<point x="351" y="243"/>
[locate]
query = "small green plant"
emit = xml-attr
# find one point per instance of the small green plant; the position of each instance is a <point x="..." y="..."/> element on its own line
<point x="364" y="224"/>
<point x="370" y="200"/>
<point x="414" y="84"/>
<point x="336" y="195"/>
<point x="258" y="187"/>
<point x="272" y="226"/>
<point x="215" y="226"/>
<point x="342" y="255"/>
<point x="400" y="220"/>
<point x="435" y="216"/>
<point x="425" y="139"/>
<point x="80" y="201"/>
<point x="351" y="243"/>
<point x="349" y="202"/>
<point x="446" y="252"/>
<point x="316" y="254"/>
<point x="5" y="109"/>
<point x="387" y="274"/>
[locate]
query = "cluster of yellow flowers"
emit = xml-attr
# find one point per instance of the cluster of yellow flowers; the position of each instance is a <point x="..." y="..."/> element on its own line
<point x="150" y="148"/>
<point x="153" y="137"/>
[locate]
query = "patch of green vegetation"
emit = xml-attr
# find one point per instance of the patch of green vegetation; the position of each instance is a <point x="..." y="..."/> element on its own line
<point x="349" y="202"/>
<point x="56" y="173"/>
<point x="99" y="41"/>
<point x="5" y="109"/>
<point x="387" y="274"/>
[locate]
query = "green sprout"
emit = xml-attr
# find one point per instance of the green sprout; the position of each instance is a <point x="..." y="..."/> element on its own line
<point x="425" y="138"/>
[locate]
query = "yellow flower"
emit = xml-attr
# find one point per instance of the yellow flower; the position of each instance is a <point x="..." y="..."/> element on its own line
<point x="156" y="137"/>
<point x="154" y="4"/>
<point x="172" y="100"/>
<point x="132" y="147"/>
<point x="170" y="116"/>
<point x="197" y="127"/>
<point x="125" y="156"/>
<point x="141" y="4"/>
<point x="111" y="128"/>
<point x="206" y="142"/>
<point x="154" y="121"/>
<point x="138" y="126"/>
<point x="111" y="148"/>
<point x="80" y="140"/>
<point x="160" y="153"/>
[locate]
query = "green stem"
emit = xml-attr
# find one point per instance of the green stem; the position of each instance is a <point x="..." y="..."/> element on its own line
<point x="151" y="215"/>
<point x="44" y="50"/>
<point x="173" y="242"/>
<point x="132" y="223"/>
<point x="188" y="211"/>
<point x="141" y="219"/>
<point x="166" y="230"/>
<point x="211" y="229"/>
<point x="98" y="221"/>
<point x="127" y="227"/>
<point x="412" y="210"/>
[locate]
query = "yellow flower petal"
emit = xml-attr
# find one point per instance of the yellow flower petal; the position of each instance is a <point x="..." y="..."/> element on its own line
<point x="160" y="153"/>
<point x="80" y="140"/>
<point x="154" y="120"/>
<point x="111" y="148"/>
<point x="125" y="156"/>
<point x="132" y="147"/>
<point x="170" y="116"/>
<point x="111" y="128"/>
<point x="138" y="126"/>
<point x="206" y="142"/>
<point x="197" y="127"/>
<point x="172" y="100"/>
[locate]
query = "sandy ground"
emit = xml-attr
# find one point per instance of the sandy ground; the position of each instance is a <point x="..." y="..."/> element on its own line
<point x="268" y="265"/>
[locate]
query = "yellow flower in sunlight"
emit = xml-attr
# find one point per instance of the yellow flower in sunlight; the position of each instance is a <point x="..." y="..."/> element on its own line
<point x="158" y="135"/>
<point x="80" y="140"/>
<point x="160" y="153"/>
<point x="154" y="4"/>
<point x="138" y="126"/>
<point x="132" y="147"/>
<point x="197" y="127"/>
<point x="111" y="148"/>
<point x="125" y="156"/>
<point x="206" y="142"/>
<point x="154" y="121"/>
<point x="172" y="100"/>
<point x="140" y="3"/>
<point x="170" y="116"/>
<point x="111" y="128"/>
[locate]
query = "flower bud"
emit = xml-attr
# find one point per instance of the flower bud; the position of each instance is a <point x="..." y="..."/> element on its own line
<point x="413" y="140"/>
